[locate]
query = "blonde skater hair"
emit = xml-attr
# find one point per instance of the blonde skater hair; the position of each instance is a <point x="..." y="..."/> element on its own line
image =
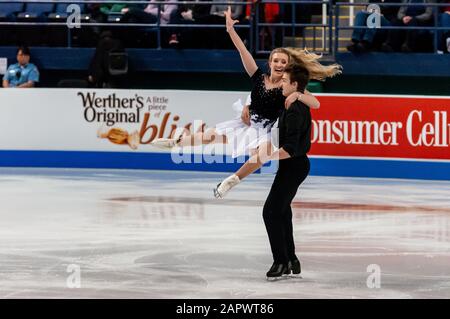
<point x="310" y="61"/>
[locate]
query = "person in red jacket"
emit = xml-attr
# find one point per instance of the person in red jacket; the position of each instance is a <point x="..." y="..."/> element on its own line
<point x="268" y="13"/>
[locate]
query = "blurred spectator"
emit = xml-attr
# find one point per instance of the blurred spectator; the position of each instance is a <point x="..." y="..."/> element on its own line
<point x="100" y="13"/>
<point x="219" y="9"/>
<point x="149" y="15"/>
<point x="268" y="13"/>
<point x="444" y="36"/>
<point x="364" y="40"/>
<point x="108" y="9"/>
<point x="22" y="74"/>
<point x="100" y="65"/>
<point x="412" y="16"/>
<point x="195" y="11"/>
<point x="218" y="37"/>
<point x="191" y="12"/>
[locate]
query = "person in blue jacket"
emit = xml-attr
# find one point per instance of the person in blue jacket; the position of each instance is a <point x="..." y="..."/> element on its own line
<point x="23" y="74"/>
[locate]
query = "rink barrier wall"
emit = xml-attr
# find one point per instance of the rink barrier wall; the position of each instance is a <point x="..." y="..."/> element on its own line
<point x="382" y="136"/>
<point x="320" y="166"/>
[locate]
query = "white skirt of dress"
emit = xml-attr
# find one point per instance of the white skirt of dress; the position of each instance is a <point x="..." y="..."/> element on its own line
<point x="243" y="139"/>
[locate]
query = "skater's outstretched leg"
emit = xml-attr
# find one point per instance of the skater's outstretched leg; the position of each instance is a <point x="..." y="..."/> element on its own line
<point x="199" y="138"/>
<point x="255" y="162"/>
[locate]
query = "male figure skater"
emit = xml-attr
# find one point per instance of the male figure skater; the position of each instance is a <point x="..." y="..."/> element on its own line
<point x="294" y="129"/>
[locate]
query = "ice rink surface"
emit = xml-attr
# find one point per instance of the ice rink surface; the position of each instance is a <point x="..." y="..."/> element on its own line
<point x="161" y="234"/>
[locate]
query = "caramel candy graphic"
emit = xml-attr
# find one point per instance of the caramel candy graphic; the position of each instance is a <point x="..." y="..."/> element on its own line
<point x="102" y="132"/>
<point x="118" y="136"/>
<point x="133" y="140"/>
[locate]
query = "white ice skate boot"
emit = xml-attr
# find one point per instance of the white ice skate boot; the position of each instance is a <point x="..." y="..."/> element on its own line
<point x="165" y="143"/>
<point x="228" y="183"/>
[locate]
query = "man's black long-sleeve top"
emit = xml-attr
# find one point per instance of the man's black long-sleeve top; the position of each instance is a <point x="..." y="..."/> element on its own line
<point x="294" y="127"/>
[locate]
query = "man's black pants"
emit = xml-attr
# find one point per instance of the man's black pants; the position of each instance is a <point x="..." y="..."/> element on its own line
<point x="277" y="211"/>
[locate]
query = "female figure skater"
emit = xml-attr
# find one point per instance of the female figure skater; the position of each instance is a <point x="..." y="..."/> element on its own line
<point x="265" y="148"/>
<point x="267" y="101"/>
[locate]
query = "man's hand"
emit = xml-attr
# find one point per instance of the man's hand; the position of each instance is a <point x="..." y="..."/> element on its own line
<point x="25" y="85"/>
<point x="245" y="116"/>
<point x="406" y="19"/>
<point x="187" y="15"/>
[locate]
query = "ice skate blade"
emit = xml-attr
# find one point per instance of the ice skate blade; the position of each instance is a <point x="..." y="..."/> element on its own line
<point x="162" y="144"/>
<point x="282" y="277"/>
<point x="298" y="276"/>
<point x="216" y="193"/>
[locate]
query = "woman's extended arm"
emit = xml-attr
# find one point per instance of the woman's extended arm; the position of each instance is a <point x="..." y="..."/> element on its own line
<point x="307" y="98"/>
<point x="247" y="59"/>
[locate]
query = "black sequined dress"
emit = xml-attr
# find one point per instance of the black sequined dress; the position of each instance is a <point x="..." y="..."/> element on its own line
<point x="265" y="107"/>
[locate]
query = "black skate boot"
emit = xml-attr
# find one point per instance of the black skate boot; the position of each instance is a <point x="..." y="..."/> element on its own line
<point x="276" y="271"/>
<point x="294" y="268"/>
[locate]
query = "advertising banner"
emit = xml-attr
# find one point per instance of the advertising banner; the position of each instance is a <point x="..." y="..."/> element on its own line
<point x="352" y="135"/>
<point x="377" y="126"/>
